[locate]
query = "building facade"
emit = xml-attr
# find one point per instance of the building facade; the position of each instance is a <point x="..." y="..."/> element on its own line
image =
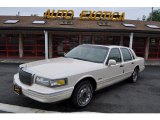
<point x="36" y="37"/>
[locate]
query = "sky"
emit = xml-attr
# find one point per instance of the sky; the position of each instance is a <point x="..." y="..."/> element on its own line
<point x="133" y="13"/>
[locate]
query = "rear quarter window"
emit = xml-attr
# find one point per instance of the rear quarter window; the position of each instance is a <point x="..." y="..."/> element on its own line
<point x="132" y="54"/>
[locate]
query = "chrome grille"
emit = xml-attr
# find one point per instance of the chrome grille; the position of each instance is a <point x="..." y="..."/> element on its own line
<point x="25" y="77"/>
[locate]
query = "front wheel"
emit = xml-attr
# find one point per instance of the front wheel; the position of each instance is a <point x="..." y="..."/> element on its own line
<point x="134" y="76"/>
<point x="82" y="94"/>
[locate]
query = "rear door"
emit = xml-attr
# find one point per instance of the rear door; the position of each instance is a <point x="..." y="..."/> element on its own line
<point x="128" y="63"/>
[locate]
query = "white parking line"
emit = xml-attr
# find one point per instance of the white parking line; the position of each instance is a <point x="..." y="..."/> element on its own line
<point x="19" y="109"/>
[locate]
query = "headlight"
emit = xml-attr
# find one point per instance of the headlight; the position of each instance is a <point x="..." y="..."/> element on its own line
<point x="50" y="82"/>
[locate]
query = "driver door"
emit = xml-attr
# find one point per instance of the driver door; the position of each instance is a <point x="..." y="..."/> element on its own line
<point x="113" y="73"/>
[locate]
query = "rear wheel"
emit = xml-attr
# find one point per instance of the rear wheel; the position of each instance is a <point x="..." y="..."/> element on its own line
<point x="82" y="94"/>
<point x="134" y="76"/>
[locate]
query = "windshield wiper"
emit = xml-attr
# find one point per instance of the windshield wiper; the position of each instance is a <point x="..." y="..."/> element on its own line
<point x="77" y="58"/>
<point x="84" y="59"/>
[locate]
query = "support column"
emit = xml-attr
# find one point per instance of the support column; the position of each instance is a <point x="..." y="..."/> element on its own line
<point x="50" y="45"/>
<point x="20" y="46"/>
<point x="46" y="44"/>
<point x="131" y="40"/>
<point x="93" y="37"/>
<point x="147" y="48"/>
<point x="80" y="38"/>
<point x="121" y="40"/>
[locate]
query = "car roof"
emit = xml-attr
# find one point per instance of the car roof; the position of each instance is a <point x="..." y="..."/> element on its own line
<point x="108" y="46"/>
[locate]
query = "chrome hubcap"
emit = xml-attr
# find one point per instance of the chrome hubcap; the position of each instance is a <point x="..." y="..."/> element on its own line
<point x="84" y="95"/>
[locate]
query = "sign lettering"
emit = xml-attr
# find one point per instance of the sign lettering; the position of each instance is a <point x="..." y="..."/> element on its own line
<point x="101" y="15"/>
<point x="61" y="14"/>
<point x="85" y="15"/>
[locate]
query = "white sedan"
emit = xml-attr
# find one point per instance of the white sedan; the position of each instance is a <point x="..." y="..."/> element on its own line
<point x="77" y="75"/>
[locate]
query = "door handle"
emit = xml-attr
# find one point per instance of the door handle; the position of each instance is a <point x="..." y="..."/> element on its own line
<point x="132" y="63"/>
<point x="121" y="66"/>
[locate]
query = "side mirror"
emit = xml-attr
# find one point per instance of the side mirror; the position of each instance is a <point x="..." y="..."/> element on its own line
<point x="111" y="62"/>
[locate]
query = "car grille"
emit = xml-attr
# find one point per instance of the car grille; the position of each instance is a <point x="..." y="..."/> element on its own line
<point x="25" y="77"/>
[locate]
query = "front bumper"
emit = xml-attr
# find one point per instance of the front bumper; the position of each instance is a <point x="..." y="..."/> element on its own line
<point x="43" y="94"/>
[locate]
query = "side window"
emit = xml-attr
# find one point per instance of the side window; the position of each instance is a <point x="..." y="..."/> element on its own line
<point x="115" y="55"/>
<point x="126" y="54"/>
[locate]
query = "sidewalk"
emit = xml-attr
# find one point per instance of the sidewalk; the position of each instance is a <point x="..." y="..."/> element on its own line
<point x="152" y="62"/>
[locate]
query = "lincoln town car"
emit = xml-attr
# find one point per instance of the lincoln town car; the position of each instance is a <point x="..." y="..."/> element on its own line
<point x="76" y="76"/>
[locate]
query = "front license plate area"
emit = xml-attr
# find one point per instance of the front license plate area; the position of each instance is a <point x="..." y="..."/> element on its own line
<point x="17" y="89"/>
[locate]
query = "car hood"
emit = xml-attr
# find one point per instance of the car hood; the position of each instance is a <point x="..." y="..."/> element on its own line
<point x="60" y="67"/>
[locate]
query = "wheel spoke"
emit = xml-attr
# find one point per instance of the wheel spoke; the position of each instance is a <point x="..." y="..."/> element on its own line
<point x="85" y="95"/>
<point x="135" y="76"/>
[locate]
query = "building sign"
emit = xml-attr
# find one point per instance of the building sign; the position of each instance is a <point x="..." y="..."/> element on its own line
<point x="85" y="15"/>
<point x="61" y="14"/>
<point x="102" y="15"/>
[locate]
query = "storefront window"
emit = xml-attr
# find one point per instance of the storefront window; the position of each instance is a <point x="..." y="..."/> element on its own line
<point x="2" y="47"/>
<point x="115" y="40"/>
<point x="74" y="42"/>
<point x="107" y="40"/>
<point x="100" y="40"/>
<point x="126" y="41"/>
<point x="86" y="39"/>
<point x="9" y="45"/>
<point x="33" y="45"/>
<point x="63" y="44"/>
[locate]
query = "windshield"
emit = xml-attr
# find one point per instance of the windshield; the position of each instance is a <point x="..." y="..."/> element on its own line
<point x="89" y="53"/>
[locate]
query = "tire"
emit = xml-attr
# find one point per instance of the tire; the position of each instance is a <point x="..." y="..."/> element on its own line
<point x="82" y="94"/>
<point x="135" y="75"/>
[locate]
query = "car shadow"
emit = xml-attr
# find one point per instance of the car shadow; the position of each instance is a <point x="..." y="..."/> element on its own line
<point x="66" y="105"/>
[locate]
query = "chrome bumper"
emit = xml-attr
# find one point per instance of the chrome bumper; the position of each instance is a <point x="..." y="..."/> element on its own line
<point x="45" y="95"/>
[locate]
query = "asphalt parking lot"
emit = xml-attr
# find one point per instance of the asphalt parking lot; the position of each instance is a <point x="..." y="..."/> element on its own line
<point x="124" y="97"/>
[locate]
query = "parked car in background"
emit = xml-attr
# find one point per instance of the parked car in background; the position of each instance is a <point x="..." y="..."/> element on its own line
<point x="77" y="75"/>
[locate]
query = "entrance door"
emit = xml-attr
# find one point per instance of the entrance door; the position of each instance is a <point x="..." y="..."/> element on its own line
<point x="154" y="49"/>
<point x="139" y="44"/>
